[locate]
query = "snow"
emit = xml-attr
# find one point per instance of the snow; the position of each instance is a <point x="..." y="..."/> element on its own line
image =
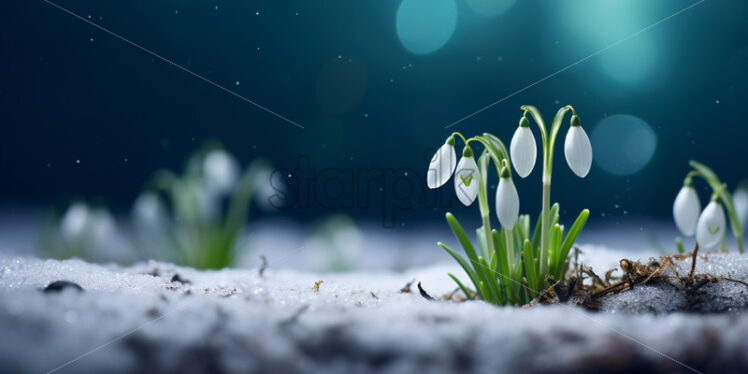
<point x="135" y="318"/>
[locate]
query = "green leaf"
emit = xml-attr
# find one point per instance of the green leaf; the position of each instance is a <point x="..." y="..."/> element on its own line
<point x="502" y="269"/>
<point x="498" y="144"/>
<point x="465" y="266"/>
<point x="485" y="295"/>
<point x="554" y="214"/>
<point x="574" y="231"/>
<point x="524" y="227"/>
<point x="480" y="233"/>
<point x="462" y="287"/>
<point x="555" y="244"/>
<point x="536" y="233"/>
<point x="463" y="239"/>
<point x="530" y="271"/>
<point x="493" y="285"/>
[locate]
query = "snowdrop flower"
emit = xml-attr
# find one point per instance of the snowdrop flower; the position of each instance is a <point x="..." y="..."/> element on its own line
<point x="270" y="189"/>
<point x="507" y="200"/>
<point x="148" y="210"/>
<point x="221" y="171"/>
<point x="711" y="226"/>
<point x="740" y="201"/>
<point x="75" y="221"/>
<point x="578" y="149"/>
<point x="442" y="164"/>
<point x="523" y="149"/>
<point x="686" y="209"/>
<point x="467" y="178"/>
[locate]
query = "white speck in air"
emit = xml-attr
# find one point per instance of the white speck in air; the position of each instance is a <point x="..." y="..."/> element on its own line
<point x="238" y="83"/>
<point x="366" y="115"/>
<point x="77" y="161"/>
<point x="717" y="101"/>
<point x="257" y="13"/>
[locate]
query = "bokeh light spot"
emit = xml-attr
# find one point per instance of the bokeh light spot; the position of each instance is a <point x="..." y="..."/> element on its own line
<point x="424" y="26"/>
<point x="490" y="8"/>
<point x="630" y="62"/>
<point x="623" y="144"/>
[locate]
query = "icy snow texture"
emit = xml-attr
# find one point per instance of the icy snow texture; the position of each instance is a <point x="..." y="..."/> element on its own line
<point x="237" y="321"/>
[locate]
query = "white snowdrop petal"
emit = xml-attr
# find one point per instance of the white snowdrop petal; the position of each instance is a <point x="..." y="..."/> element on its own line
<point x="740" y="201"/>
<point x="148" y="209"/>
<point x="523" y="151"/>
<point x="686" y="209"/>
<point x="467" y="178"/>
<point x="578" y="151"/>
<point x="221" y="171"/>
<point x="507" y="203"/>
<point x="75" y="221"/>
<point x="711" y="226"/>
<point x="441" y="167"/>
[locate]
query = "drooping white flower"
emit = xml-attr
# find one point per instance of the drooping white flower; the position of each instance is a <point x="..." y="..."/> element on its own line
<point x="221" y="172"/>
<point x="507" y="201"/>
<point x="467" y="179"/>
<point x="740" y="201"/>
<point x="103" y="227"/>
<point x="711" y="226"/>
<point x="442" y="164"/>
<point x="577" y="149"/>
<point x="75" y="222"/>
<point x="148" y="210"/>
<point x="523" y="150"/>
<point x="686" y="209"/>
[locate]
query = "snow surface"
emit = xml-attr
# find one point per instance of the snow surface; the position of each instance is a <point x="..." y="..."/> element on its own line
<point x="135" y="318"/>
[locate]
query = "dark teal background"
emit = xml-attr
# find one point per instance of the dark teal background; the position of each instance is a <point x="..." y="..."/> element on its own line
<point x="123" y="113"/>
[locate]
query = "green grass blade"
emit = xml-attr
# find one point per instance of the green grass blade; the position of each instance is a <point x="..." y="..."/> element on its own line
<point x="485" y="295"/>
<point x="466" y="244"/>
<point x="464" y="264"/>
<point x="679" y="244"/>
<point x="462" y="287"/>
<point x="524" y="227"/>
<point x="574" y="231"/>
<point x="480" y="233"/>
<point x="554" y="214"/>
<point x="536" y="234"/>
<point x="493" y="284"/>
<point x="530" y="270"/>
<point x="502" y="271"/>
<point x="555" y="244"/>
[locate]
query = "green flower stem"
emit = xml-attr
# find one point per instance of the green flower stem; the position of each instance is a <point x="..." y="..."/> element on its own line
<point x="485" y="213"/>
<point x="549" y="143"/>
<point x="461" y="137"/>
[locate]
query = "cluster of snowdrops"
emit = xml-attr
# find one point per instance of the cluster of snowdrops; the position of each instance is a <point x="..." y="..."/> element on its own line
<point x="513" y="264"/>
